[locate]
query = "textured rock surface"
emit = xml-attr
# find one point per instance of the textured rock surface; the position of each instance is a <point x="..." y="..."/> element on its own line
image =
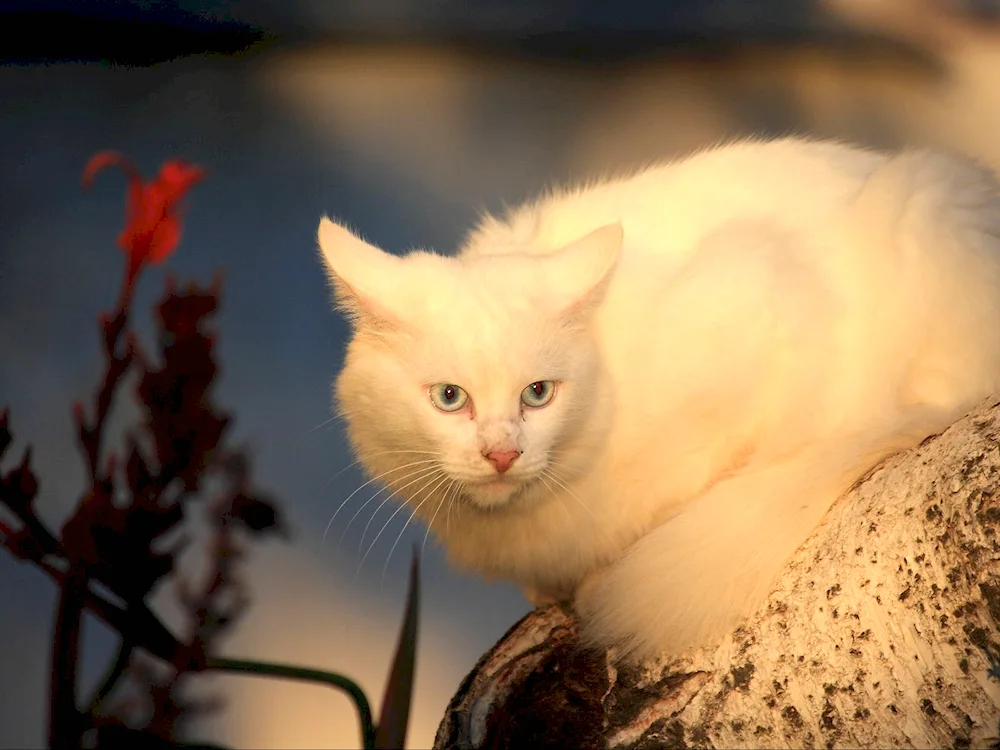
<point x="883" y="631"/>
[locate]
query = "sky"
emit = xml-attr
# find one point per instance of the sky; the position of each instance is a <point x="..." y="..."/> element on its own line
<point x="409" y="146"/>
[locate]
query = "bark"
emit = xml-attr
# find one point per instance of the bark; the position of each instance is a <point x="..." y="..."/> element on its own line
<point x="882" y="631"/>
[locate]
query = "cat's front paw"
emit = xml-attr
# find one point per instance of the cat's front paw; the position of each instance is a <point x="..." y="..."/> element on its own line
<point x="650" y="605"/>
<point x="604" y="617"/>
<point x="614" y="613"/>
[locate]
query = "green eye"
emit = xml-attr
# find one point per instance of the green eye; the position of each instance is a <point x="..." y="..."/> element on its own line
<point x="447" y="397"/>
<point x="538" y="393"/>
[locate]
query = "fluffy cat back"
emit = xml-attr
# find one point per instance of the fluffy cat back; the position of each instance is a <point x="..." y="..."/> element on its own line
<point x="668" y="207"/>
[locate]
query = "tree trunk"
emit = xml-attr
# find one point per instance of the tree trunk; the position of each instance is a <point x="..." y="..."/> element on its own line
<point x="882" y="631"/>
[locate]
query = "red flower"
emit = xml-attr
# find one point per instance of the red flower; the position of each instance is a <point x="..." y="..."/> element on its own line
<point x="152" y="209"/>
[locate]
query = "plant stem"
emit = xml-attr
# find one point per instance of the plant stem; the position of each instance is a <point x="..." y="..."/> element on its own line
<point x="287" y="671"/>
<point x="115" y="671"/>
<point x="136" y="623"/>
<point x="64" y="719"/>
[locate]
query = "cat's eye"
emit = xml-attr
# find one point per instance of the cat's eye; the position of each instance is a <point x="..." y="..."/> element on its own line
<point x="448" y="396"/>
<point x="538" y="393"/>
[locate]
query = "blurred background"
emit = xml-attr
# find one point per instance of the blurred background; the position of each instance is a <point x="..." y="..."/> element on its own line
<point x="406" y="119"/>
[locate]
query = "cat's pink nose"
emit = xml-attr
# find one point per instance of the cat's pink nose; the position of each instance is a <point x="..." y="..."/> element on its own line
<point x="502" y="459"/>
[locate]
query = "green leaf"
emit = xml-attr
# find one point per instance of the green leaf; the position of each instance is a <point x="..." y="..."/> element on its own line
<point x="395" y="713"/>
<point x="290" y="672"/>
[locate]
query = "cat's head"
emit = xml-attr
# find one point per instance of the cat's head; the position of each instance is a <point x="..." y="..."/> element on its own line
<point x="476" y="378"/>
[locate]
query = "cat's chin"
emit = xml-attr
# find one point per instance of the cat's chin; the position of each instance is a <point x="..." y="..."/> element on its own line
<point x="494" y="494"/>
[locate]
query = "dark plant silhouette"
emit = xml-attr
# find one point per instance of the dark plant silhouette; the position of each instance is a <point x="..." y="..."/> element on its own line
<point x="125" y="534"/>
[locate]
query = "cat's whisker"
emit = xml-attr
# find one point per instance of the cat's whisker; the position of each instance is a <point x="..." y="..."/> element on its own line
<point x="452" y="490"/>
<point x="550" y="473"/>
<point x="326" y="531"/>
<point x="427" y="474"/>
<point x="338" y="415"/>
<point x="323" y="424"/>
<point x="357" y="461"/>
<point x="427" y="480"/>
<point x="451" y="504"/>
<point x="598" y="525"/>
<point x="392" y="549"/>
<point x="346" y="500"/>
<point x="567" y="473"/>
<point x="329" y="481"/>
<point x="562" y="504"/>
<point x="371" y="455"/>
<point x="343" y="415"/>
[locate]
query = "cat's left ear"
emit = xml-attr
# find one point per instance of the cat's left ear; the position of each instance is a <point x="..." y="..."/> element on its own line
<point x="579" y="274"/>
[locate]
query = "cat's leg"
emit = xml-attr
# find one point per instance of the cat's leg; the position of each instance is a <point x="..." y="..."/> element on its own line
<point x="691" y="580"/>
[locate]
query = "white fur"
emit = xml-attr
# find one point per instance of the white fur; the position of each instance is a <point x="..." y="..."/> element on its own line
<point x="747" y="333"/>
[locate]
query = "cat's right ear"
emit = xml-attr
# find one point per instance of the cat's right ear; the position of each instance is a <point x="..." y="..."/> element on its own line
<point x="358" y="272"/>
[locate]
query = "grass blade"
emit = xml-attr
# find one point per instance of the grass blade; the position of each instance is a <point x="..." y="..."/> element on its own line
<point x="394" y="716"/>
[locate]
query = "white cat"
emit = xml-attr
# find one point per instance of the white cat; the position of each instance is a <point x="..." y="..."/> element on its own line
<point x="648" y="391"/>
